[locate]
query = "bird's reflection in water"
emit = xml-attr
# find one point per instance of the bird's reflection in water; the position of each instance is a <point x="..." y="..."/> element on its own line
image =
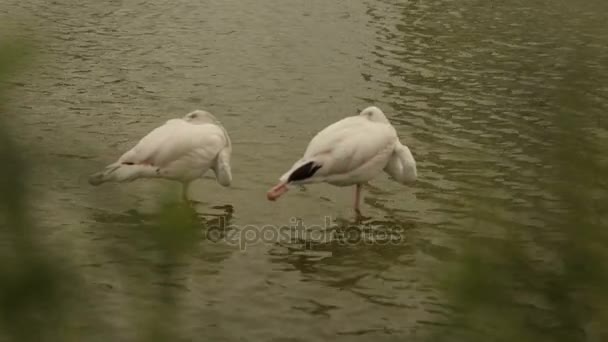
<point x="133" y="227"/>
<point x="136" y="241"/>
<point x="216" y="224"/>
<point x="220" y="214"/>
<point x="368" y="243"/>
<point x="374" y="260"/>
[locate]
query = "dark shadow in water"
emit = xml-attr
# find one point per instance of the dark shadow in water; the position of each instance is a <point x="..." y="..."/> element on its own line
<point x="376" y="260"/>
<point x="349" y="251"/>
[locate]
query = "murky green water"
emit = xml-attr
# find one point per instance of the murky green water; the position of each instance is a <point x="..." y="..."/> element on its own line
<point x="472" y="87"/>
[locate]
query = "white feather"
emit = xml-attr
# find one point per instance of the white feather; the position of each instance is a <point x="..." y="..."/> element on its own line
<point x="181" y="149"/>
<point x="356" y="149"/>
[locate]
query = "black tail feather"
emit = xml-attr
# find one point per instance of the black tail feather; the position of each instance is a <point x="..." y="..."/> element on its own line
<point x="305" y="171"/>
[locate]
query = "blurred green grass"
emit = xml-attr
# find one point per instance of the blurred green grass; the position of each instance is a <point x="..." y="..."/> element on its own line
<point x="41" y="295"/>
<point x="549" y="284"/>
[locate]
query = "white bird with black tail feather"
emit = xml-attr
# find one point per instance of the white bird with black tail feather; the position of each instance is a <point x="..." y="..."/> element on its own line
<point x="182" y="150"/>
<point x="351" y="151"/>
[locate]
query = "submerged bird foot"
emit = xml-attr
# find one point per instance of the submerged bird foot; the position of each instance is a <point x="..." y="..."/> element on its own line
<point x="359" y="217"/>
<point x="194" y="203"/>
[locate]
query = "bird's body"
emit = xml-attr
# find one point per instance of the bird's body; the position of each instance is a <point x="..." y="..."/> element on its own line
<point x="182" y="150"/>
<point x="351" y="151"/>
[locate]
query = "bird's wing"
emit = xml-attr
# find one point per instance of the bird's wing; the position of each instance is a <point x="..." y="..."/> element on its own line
<point x="173" y="140"/>
<point x="345" y="146"/>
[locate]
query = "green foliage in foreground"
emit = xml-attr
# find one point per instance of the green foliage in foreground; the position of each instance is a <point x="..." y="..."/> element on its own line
<point x="545" y="282"/>
<point x="41" y="294"/>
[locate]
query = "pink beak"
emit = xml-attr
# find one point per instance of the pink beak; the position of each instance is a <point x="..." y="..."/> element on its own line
<point x="277" y="191"/>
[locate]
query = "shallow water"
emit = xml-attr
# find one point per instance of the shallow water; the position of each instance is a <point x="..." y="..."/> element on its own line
<point x="472" y="88"/>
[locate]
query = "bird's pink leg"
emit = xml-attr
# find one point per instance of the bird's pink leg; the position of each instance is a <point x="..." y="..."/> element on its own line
<point x="185" y="192"/>
<point x="357" y="198"/>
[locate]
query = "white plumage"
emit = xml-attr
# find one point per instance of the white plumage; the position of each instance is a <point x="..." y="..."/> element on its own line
<point x="351" y="151"/>
<point x="181" y="149"/>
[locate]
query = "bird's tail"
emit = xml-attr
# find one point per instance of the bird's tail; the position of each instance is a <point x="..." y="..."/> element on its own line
<point x="302" y="171"/>
<point x="118" y="172"/>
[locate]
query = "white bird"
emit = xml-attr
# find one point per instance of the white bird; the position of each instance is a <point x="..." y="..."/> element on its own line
<point x="182" y="150"/>
<point x="351" y="151"/>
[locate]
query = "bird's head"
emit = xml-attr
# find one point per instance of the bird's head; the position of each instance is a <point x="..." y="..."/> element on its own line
<point x="374" y="114"/>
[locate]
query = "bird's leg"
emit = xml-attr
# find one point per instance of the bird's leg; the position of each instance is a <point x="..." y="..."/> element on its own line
<point x="185" y="197"/>
<point x="357" y="198"/>
<point x="185" y="192"/>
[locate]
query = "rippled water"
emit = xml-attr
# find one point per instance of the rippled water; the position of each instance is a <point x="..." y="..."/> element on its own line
<point x="472" y="87"/>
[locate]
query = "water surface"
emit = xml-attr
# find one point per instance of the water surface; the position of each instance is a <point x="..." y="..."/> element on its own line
<point x="471" y="86"/>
